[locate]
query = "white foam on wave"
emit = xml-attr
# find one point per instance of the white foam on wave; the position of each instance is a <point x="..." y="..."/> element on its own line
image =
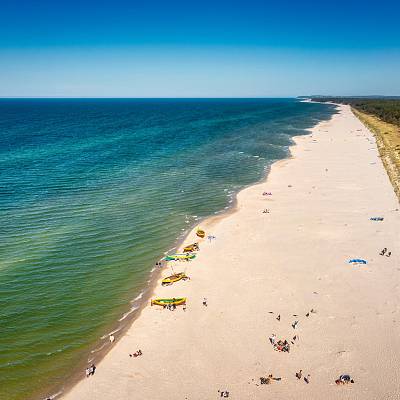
<point x="54" y="352"/>
<point x="53" y="396"/>
<point x="128" y="313"/>
<point x="110" y="333"/>
<point x="173" y="248"/>
<point x="99" y="348"/>
<point x="138" y="297"/>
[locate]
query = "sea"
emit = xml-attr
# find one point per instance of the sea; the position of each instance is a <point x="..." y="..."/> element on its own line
<point x="93" y="192"/>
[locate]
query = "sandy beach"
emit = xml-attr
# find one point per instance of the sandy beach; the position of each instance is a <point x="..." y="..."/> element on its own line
<point x="285" y="262"/>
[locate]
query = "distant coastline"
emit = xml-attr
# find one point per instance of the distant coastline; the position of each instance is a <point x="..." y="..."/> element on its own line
<point x="381" y="114"/>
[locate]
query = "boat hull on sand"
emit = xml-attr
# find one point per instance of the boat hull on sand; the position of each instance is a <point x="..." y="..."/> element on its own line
<point x="177" y="301"/>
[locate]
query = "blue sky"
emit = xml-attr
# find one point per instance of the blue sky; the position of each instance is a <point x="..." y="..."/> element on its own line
<point x="199" y="49"/>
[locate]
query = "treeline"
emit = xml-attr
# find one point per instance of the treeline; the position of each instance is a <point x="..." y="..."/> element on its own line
<point x="387" y="110"/>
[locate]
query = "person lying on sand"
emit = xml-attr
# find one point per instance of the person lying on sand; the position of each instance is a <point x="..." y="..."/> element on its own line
<point x="268" y="381"/>
<point x="299" y="374"/>
<point x="136" y="354"/>
<point x="282" y="346"/>
<point x="382" y="253"/>
<point x="344" y="380"/>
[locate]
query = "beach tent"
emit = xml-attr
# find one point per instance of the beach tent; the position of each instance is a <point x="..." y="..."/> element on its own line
<point x="357" y="261"/>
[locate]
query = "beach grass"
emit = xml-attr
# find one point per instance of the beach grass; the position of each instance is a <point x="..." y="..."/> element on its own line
<point x="388" y="141"/>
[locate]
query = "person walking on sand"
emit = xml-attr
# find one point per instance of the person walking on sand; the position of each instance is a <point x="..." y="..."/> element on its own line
<point x="205" y="302"/>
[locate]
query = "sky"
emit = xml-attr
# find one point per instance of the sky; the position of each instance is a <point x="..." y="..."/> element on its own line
<point x="202" y="48"/>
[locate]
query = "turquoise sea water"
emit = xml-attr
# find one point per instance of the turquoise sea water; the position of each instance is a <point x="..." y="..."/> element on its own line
<point x="93" y="192"/>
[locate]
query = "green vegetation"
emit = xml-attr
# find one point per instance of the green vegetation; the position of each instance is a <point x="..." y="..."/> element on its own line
<point x="386" y="109"/>
<point x="382" y="117"/>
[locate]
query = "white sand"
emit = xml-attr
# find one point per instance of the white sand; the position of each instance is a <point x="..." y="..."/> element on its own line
<point x="288" y="261"/>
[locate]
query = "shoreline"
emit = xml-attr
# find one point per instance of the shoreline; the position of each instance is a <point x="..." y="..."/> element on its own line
<point x="156" y="273"/>
<point x="154" y="280"/>
<point x="88" y="388"/>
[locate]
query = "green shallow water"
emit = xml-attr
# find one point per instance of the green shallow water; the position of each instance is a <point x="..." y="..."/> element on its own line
<point x="93" y="192"/>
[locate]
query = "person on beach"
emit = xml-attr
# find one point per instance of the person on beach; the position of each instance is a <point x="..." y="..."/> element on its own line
<point x="90" y="371"/>
<point x="272" y="338"/>
<point x="389" y="254"/>
<point x="344" y="380"/>
<point x="112" y="338"/>
<point x="136" y="353"/>
<point x="205" y="302"/>
<point x="383" y="251"/>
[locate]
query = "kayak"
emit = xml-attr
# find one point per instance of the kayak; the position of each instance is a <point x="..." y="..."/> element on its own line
<point x="180" y="256"/>
<point x="169" y="280"/>
<point x="191" y="247"/>
<point x="178" y="301"/>
<point x="200" y="233"/>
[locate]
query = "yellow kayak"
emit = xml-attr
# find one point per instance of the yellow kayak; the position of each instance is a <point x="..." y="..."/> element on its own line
<point x="169" y="280"/>
<point x="178" y="301"/>
<point x="176" y="257"/>
<point x="200" y="233"/>
<point x="191" y="247"/>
